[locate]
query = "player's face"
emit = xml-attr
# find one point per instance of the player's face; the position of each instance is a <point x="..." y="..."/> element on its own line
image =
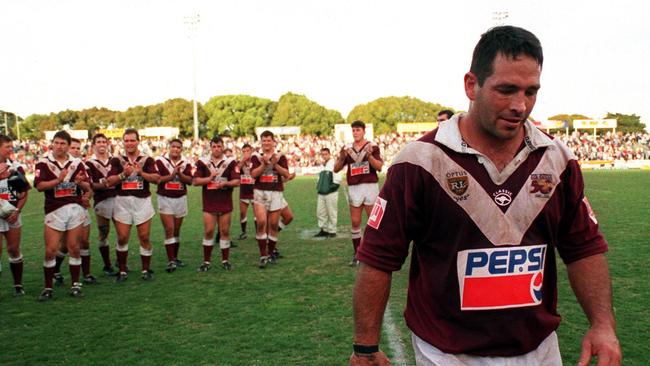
<point x="228" y="153"/>
<point x="130" y="143"/>
<point x="217" y="150"/>
<point x="100" y="146"/>
<point x="175" y="150"/>
<point x="268" y="144"/>
<point x="60" y="148"/>
<point x="325" y="155"/>
<point x="442" y="117"/>
<point x="506" y="98"/>
<point x="358" y="133"/>
<point x="246" y="153"/>
<point x="5" y="150"/>
<point x="75" y="149"/>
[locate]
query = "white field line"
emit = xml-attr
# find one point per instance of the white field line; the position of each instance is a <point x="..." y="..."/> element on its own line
<point x="394" y="339"/>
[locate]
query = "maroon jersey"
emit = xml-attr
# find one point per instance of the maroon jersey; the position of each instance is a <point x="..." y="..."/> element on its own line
<point x="270" y="179"/>
<point x="246" y="181"/>
<point x="359" y="168"/>
<point x="174" y="188"/>
<point x="6" y="192"/>
<point x="64" y="193"/>
<point x="134" y="185"/>
<point x="217" y="200"/>
<point x="483" y="268"/>
<point x="98" y="170"/>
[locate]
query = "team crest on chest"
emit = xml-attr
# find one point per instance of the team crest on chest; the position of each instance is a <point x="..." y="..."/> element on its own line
<point x="458" y="182"/>
<point x="502" y="197"/>
<point x="542" y="185"/>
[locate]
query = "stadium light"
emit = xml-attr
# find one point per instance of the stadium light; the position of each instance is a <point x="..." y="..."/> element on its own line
<point x="192" y="23"/>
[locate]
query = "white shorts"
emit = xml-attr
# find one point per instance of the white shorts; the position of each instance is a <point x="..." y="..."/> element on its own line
<point x="172" y="206"/>
<point x="284" y="202"/>
<point x="272" y="200"/>
<point x="547" y="354"/>
<point x="5" y="226"/>
<point x="363" y="194"/>
<point x="87" y="221"/>
<point x="132" y="210"/>
<point x="67" y="217"/>
<point x="105" y="208"/>
<point x="248" y="201"/>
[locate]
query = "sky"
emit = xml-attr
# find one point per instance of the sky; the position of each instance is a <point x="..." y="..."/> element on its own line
<point x="73" y="54"/>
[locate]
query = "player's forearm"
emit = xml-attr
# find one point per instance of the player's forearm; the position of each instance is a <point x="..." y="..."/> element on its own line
<point x="151" y="177"/>
<point x="232" y="183"/>
<point x="257" y="171"/>
<point x="282" y="171"/>
<point x="166" y="178"/>
<point x="22" y="201"/>
<point x="591" y="284"/>
<point x="201" y="181"/>
<point x="187" y="179"/>
<point x="339" y="165"/>
<point x="85" y="186"/>
<point x="371" y="291"/>
<point x="375" y="163"/>
<point x="45" y="185"/>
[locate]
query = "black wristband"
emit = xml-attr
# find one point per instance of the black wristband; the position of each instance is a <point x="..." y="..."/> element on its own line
<point x="358" y="348"/>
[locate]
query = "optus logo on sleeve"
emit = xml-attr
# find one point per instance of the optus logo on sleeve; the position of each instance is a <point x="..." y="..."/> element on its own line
<point x="501" y="278"/>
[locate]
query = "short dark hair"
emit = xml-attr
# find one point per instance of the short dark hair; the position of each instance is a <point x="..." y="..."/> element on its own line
<point x="447" y="112"/>
<point x="325" y="149"/>
<point x="75" y="140"/>
<point x="227" y="150"/>
<point x="508" y="40"/>
<point x="358" y="123"/>
<point x="247" y="146"/>
<point x="4" y="139"/>
<point x="63" y="135"/>
<point x="267" y="133"/>
<point x="131" y="131"/>
<point x="99" y="136"/>
<point x="175" y="140"/>
<point x="216" y="140"/>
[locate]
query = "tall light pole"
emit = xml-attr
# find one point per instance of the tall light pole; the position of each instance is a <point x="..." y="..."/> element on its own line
<point x="192" y="23"/>
<point x="500" y="17"/>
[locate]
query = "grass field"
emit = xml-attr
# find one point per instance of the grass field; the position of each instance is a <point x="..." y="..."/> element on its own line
<point x="297" y="312"/>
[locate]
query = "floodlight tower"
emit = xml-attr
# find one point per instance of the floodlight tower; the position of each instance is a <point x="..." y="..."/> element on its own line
<point x="500" y="17"/>
<point x="192" y="23"/>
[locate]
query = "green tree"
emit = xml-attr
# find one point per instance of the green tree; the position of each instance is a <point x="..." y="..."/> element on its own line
<point x="35" y="125"/>
<point x="94" y="118"/>
<point x="627" y="123"/>
<point x="179" y="113"/>
<point x="298" y="110"/>
<point x="385" y="113"/>
<point x="238" y="115"/>
<point x="134" y="117"/>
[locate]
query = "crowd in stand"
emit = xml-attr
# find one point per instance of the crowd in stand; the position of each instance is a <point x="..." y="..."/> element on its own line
<point x="303" y="151"/>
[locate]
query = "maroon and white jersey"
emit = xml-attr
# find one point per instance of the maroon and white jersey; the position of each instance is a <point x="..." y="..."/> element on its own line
<point x="217" y="200"/>
<point x="359" y="168"/>
<point x="270" y="179"/>
<point x="246" y="180"/>
<point x="64" y="193"/>
<point x="174" y="188"/>
<point x="134" y="185"/>
<point x="6" y="193"/>
<point x="97" y="170"/>
<point x="483" y="268"/>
